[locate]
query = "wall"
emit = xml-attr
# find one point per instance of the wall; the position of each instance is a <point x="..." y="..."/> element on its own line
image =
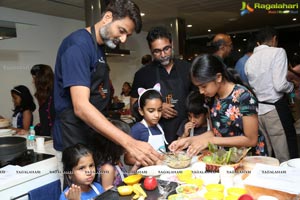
<point x="38" y="38"/>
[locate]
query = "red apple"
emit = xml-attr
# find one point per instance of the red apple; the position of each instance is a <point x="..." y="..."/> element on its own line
<point x="150" y="183"/>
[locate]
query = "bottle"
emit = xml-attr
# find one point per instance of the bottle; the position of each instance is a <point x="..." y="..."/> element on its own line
<point x="292" y="96"/>
<point x="30" y="138"/>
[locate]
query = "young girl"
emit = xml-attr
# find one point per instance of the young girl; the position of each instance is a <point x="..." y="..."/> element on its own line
<point x="24" y="106"/>
<point x="148" y="129"/>
<point x="108" y="158"/>
<point x="43" y="76"/>
<point x="233" y="108"/>
<point x="79" y="174"/>
<point x="150" y="108"/>
<point x="197" y="122"/>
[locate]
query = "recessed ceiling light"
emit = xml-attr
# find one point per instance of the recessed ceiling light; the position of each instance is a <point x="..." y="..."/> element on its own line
<point x="209" y="30"/>
<point x="122" y="55"/>
<point x="294" y="19"/>
<point x="234" y="36"/>
<point x="244" y="39"/>
<point x="189" y="25"/>
<point x="239" y="50"/>
<point x="142" y="14"/>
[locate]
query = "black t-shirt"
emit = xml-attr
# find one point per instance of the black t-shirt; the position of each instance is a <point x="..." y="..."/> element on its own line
<point x="197" y="131"/>
<point x="178" y="79"/>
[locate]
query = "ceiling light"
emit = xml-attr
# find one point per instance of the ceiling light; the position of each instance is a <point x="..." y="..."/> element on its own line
<point x="142" y="14"/>
<point x="244" y="39"/>
<point x="209" y="30"/>
<point x="189" y="25"/>
<point x="239" y="50"/>
<point x="294" y="19"/>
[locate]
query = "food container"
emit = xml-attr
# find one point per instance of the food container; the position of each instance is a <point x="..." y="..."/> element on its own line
<point x="249" y="162"/>
<point x="214" y="196"/>
<point x="187" y="189"/>
<point x="215" y="188"/>
<point x="133" y="179"/>
<point x="125" y="190"/>
<point x="185" y="175"/>
<point x="215" y="167"/>
<point x="178" y="197"/>
<point x="178" y="161"/>
<point x="195" y="181"/>
<point x="235" y="191"/>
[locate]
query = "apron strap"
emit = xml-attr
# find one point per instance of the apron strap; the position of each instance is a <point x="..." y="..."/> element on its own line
<point x="158" y="126"/>
<point x="120" y="171"/>
<point x="95" y="189"/>
<point x="94" y="37"/>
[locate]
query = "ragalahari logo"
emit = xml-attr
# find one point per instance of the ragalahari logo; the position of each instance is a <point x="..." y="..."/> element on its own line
<point x="246" y="8"/>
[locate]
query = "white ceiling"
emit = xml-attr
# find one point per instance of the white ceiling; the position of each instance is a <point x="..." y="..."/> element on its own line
<point x="217" y="15"/>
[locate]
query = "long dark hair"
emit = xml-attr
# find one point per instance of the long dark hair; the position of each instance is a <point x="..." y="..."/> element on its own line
<point x="43" y="82"/>
<point x="70" y="158"/>
<point x="106" y="150"/>
<point x="27" y="102"/>
<point x="206" y="67"/>
<point x="195" y="103"/>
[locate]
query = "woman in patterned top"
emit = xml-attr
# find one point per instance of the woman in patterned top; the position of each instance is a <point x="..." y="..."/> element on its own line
<point x="233" y="108"/>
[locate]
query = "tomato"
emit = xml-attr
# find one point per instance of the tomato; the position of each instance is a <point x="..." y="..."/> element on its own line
<point x="245" y="197"/>
<point x="150" y="183"/>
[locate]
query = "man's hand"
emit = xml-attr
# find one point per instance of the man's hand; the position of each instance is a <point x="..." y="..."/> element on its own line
<point x="143" y="152"/>
<point x="168" y="111"/>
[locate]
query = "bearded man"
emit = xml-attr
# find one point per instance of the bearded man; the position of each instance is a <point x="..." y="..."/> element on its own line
<point x="173" y="76"/>
<point x="79" y="71"/>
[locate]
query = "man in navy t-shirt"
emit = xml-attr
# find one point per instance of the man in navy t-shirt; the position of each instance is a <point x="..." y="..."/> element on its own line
<point x="81" y="87"/>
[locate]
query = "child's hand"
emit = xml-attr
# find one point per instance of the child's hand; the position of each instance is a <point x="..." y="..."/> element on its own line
<point x="74" y="193"/>
<point x="187" y="127"/>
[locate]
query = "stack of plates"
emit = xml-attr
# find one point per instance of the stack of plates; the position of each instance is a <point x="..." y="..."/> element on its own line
<point x="4" y="123"/>
<point x="6" y="132"/>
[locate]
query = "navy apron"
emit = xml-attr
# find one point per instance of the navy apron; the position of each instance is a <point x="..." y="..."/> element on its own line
<point x="287" y="121"/>
<point x="73" y="129"/>
<point x="173" y="92"/>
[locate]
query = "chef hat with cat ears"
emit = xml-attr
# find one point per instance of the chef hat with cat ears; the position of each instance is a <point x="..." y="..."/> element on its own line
<point x="142" y="91"/>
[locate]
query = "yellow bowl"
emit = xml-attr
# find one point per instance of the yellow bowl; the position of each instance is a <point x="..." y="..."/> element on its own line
<point x="235" y="191"/>
<point x="125" y="190"/>
<point x="214" y="196"/>
<point x="133" y="179"/>
<point x="215" y="188"/>
<point x="185" y="175"/>
<point x="230" y="197"/>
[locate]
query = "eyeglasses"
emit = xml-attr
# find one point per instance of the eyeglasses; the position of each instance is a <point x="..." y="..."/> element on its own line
<point x="157" y="52"/>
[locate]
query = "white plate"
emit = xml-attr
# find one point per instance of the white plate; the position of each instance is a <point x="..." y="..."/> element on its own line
<point x="157" y="170"/>
<point x="6" y="132"/>
<point x="284" y="164"/>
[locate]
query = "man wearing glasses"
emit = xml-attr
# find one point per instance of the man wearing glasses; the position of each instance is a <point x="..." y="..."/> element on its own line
<point x="173" y="76"/>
